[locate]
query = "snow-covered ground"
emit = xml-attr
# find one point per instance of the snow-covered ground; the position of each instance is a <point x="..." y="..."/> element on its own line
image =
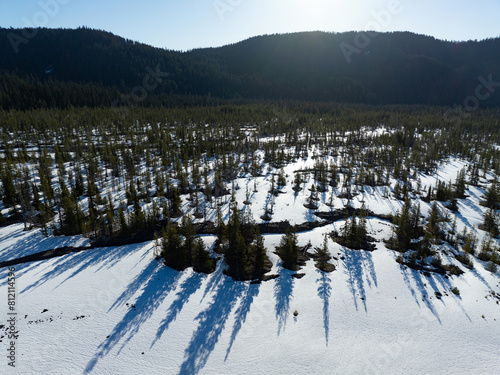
<point x="119" y="311"/>
<point x="16" y="243"/>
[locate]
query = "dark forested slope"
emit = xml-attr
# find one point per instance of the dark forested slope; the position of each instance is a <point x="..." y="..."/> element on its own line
<point x="63" y="67"/>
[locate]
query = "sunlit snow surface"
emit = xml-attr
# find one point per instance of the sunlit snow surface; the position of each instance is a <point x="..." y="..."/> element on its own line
<point x="119" y="311"/>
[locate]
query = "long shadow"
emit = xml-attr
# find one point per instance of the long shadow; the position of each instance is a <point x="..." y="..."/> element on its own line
<point x="476" y="274"/>
<point x="473" y="194"/>
<point x="407" y="281"/>
<point x="187" y="289"/>
<point x="241" y="313"/>
<point x="158" y="281"/>
<point x="31" y="242"/>
<point x="354" y="267"/>
<point x="367" y="259"/>
<point x="447" y="285"/>
<point x="324" y="292"/>
<point x="216" y="278"/>
<point x="283" y="289"/>
<point x="417" y="278"/>
<point x="211" y="323"/>
<point x="459" y="215"/>
<point x="78" y="262"/>
<point x="309" y="216"/>
<point x="134" y="286"/>
<point x="471" y="206"/>
<point x="21" y="269"/>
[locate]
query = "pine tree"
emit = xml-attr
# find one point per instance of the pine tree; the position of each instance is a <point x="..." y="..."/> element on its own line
<point x="202" y="262"/>
<point x="460" y="185"/>
<point x="221" y="228"/>
<point x="71" y="221"/>
<point x="288" y="250"/>
<point x="172" y="250"/>
<point x="175" y="203"/>
<point x="259" y="252"/>
<point x="297" y="182"/>
<point x="123" y="221"/>
<point x="492" y="197"/>
<point x="9" y="190"/>
<point x="236" y="254"/>
<point x="188" y="231"/>
<point x="491" y="222"/>
<point x="110" y="215"/>
<point x="138" y="217"/>
<point x="322" y="254"/>
<point x="432" y="228"/>
<point x="311" y="200"/>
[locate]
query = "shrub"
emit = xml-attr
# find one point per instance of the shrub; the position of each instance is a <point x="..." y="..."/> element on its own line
<point x="436" y="261"/>
<point x="465" y="259"/>
<point x="492" y="267"/>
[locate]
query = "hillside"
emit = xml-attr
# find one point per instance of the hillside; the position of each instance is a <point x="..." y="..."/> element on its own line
<point x="61" y="68"/>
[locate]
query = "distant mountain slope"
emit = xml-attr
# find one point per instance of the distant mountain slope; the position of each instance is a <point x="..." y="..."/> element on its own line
<point x="63" y="67"/>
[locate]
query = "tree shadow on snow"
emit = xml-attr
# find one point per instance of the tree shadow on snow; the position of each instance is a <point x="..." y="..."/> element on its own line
<point x="360" y="269"/>
<point x="447" y="286"/>
<point x="324" y="292"/>
<point x="156" y="281"/>
<point x="211" y="323"/>
<point x="78" y="262"/>
<point x="283" y="289"/>
<point x="410" y="274"/>
<point x="186" y="290"/>
<point x="215" y="279"/>
<point x="31" y="242"/>
<point x="480" y="277"/>
<point x="251" y="291"/>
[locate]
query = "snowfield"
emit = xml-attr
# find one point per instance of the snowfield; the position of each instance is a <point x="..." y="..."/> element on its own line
<point x="119" y="311"/>
<point x="16" y="243"/>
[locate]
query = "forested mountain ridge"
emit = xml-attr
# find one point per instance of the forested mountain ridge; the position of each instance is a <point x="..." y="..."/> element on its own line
<point x="63" y="67"/>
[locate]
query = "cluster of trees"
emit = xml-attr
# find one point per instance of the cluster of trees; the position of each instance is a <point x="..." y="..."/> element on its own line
<point x="491" y="222"/>
<point x="353" y="233"/>
<point x="322" y="256"/>
<point x="180" y="248"/>
<point x="288" y="250"/>
<point x="242" y="245"/>
<point x="406" y="226"/>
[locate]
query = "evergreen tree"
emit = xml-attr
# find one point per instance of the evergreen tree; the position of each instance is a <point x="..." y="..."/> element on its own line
<point x="202" y="262"/>
<point x="460" y="185"/>
<point x="236" y="254"/>
<point x="188" y="231"/>
<point x="288" y="250"/>
<point x="259" y="253"/>
<point x="71" y="220"/>
<point x="432" y="228"/>
<point x="175" y="203"/>
<point x="123" y="221"/>
<point x="492" y="197"/>
<point x="491" y="222"/>
<point x="172" y="250"/>
<point x="9" y="190"/>
<point x="322" y="254"/>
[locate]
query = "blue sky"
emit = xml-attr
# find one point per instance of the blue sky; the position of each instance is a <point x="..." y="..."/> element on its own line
<point x="183" y="25"/>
